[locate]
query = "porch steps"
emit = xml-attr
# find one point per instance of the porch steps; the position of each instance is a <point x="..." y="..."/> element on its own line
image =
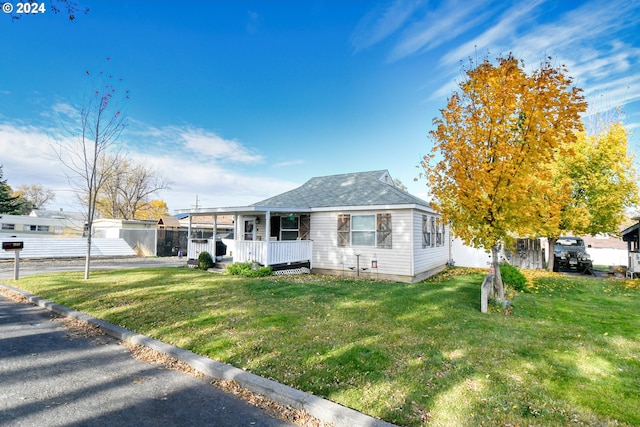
<point x="221" y="266"/>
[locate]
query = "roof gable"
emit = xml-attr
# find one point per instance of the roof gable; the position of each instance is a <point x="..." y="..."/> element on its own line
<point x="169" y="221"/>
<point x="373" y="188"/>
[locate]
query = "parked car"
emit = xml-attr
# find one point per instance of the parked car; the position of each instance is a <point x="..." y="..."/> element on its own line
<point x="570" y="252"/>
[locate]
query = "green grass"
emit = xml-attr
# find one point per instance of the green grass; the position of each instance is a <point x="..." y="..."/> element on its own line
<point x="412" y="354"/>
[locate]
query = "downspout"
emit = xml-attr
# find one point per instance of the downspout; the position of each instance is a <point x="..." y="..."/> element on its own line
<point x="450" y="261"/>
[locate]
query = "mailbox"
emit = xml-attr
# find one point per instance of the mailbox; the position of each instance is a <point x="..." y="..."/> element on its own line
<point x="12" y="246"/>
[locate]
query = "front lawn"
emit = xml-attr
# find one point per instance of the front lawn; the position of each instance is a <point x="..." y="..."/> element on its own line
<point x="411" y="354"/>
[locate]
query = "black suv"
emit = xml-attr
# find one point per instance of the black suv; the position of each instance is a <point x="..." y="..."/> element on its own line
<point x="569" y="252"/>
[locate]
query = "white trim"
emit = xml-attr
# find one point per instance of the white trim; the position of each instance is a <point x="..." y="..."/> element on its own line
<point x="265" y="209"/>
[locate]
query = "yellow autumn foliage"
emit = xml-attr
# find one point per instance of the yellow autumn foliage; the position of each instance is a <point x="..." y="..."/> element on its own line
<point x="495" y="143"/>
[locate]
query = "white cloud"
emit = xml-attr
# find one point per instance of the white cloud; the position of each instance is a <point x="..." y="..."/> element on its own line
<point x="288" y="163"/>
<point x="380" y="23"/>
<point x="199" y="162"/>
<point x="438" y="27"/>
<point x="592" y="40"/>
<point x="194" y="141"/>
<point x="65" y="109"/>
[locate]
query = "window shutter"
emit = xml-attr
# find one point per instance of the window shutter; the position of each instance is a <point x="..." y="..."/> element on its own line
<point x="383" y="229"/>
<point x="305" y="226"/>
<point x="433" y="231"/>
<point x="425" y="231"/>
<point x="344" y="230"/>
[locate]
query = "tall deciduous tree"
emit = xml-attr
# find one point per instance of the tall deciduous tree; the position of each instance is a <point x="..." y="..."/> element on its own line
<point x="90" y="155"/>
<point x="35" y="196"/>
<point x="489" y="169"/>
<point x="128" y="190"/>
<point x="600" y="180"/>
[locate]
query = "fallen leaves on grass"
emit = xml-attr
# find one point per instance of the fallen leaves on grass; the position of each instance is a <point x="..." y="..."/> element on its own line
<point x="451" y="272"/>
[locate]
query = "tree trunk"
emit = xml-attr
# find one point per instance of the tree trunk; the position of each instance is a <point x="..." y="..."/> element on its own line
<point x="87" y="261"/>
<point x="497" y="278"/>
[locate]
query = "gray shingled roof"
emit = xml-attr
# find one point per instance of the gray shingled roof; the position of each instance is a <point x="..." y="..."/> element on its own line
<point x="351" y="189"/>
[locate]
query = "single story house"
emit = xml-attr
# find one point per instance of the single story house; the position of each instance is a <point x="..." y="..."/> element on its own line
<point x="349" y="224"/>
<point x="43" y="223"/>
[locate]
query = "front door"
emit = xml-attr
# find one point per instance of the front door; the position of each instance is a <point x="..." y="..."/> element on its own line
<point x="249" y="229"/>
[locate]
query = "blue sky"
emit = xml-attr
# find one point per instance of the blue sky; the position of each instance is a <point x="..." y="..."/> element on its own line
<point x="237" y="101"/>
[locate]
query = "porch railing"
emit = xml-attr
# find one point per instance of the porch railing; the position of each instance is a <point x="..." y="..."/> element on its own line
<point x="273" y="252"/>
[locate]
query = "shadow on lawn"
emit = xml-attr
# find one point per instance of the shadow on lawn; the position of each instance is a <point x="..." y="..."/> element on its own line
<point x="409" y="353"/>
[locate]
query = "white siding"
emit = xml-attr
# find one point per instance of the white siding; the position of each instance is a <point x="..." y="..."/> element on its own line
<point x="432" y="257"/>
<point x="396" y="261"/>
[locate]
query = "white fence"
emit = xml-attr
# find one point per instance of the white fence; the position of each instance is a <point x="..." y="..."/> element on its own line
<point x="68" y="247"/>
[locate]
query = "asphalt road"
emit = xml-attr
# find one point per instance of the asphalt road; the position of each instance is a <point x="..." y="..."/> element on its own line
<point x="49" y="378"/>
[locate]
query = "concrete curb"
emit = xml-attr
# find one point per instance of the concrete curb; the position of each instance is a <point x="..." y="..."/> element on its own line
<point x="318" y="407"/>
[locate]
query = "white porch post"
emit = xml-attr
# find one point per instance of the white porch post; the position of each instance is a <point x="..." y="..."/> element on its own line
<point x="235" y="227"/>
<point x="215" y="233"/>
<point x="267" y="225"/>
<point x="267" y="232"/>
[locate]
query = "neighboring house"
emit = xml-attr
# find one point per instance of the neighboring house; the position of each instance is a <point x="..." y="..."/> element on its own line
<point x="42" y="223"/>
<point x="202" y="227"/>
<point x="350" y="224"/>
<point x="631" y="235"/>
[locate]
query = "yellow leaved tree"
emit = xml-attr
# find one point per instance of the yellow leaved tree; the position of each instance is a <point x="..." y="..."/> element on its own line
<point x="599" y="181"/>
<point x="153" y="210"/>
<point x="491" y="167"/>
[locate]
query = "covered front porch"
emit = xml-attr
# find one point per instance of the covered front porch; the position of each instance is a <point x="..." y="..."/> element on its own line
<point x="269" y="237"/>
<point x="265" y="253"/>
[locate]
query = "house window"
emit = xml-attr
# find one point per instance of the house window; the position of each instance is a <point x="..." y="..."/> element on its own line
<point x="8" y="226"/>
<point x="365" y="230"/>
<point x="438" y="234"/>
<point x="426" y="234"/>
<point x="43" y="228"/>
<point x="289" y="227"/>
